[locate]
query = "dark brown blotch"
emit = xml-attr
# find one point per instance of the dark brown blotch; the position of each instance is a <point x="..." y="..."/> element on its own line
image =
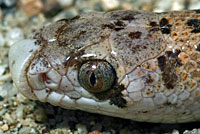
<point x="135" y="35"/>
<point x="153" y="24"/>
<point x="165" y="26"/>
<point x="110" y="26"/>
<point x="116" y="25"/>
<point x="128" y="17"/>
<point x="168" y="64"/>
<point x="149" y="79"/>
<point x="195" y="23"/>
<point x="119" y="25"/>
<point x="161" y="62"/>
<point x="114" y="95"/>
<point x="153" y="27"/>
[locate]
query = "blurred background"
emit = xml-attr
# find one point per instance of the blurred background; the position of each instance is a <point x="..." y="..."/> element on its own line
<point x="18" y="115"/>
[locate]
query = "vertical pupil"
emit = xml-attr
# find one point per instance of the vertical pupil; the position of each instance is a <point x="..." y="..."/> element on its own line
<point x="92" y="79"/>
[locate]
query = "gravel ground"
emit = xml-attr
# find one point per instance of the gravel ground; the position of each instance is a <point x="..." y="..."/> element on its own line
<point x="19" y="115"/>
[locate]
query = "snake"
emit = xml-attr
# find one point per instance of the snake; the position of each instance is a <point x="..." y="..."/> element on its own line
<point x="132" y="64"/>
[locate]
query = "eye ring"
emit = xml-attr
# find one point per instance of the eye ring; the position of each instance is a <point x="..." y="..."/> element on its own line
<point x="96" y="76"/>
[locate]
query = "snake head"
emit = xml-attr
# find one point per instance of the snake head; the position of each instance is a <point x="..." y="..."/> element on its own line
<point x="86" y="62"/>
<point x="71" y="70"/>
<point x="120" y="63"/>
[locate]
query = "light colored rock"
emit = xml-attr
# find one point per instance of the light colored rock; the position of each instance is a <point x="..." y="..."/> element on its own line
<point x="9" y="118"/>
<point x="40" y="115"/>
<point x="7" y="91"/>
<point x="1" y="123"/>
<point x="177" y="5"/>
<point x="9" y="3"/>
<point x="162" y="5"/>
<point x="19" y="112"/>
<point x="81" y="129"/>
<point x="28" y="130"/>
<point x="175" y="132"/>
<point x="5" y="127"/>
<point x="110" y="4"/>
<point x="31" y="7"/>
<point x="65" y="3"/>
<point x="168" y="5"/>
<point x="2" y="40"/>
<point x="14" y="35"/>
<point x="194" y="4"/>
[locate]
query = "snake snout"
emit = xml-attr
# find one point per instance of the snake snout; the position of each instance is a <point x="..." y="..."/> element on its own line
<point x="20" y="55"/>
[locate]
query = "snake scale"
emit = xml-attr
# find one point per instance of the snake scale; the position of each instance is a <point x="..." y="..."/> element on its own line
<point x="131" y="64"/>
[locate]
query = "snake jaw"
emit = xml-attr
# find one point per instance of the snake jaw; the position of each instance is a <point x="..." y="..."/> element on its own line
<point x="20" y="56"/>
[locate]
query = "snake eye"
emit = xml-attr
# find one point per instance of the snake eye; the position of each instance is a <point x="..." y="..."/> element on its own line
<point x="96" y="76"/>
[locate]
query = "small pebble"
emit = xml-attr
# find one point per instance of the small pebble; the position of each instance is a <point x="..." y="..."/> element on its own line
<point x="177" y="5"/>
<point x="194" y="131"/>
<point x="96" y="132"/>
<point x="4" y="92"/>
<point x="127" y="6"/>
<point x="2" y="112"/>
<point x="9" y="118"/>
<point x="1" y="98"/>
<point x="19" y="111"/>
<point x="31" y="7"/>
<point x="28" y="130"/>
<point x="125" y="131"/>
<point x="9" y="3"/>
<point x="65" y="3"/>
<point x="40" y="115"/>
<point x="175" y="132"/>
<point x="61" y="131"/>
<point x="13" y="35"/>
<point x="51" y="8"/>
<point x="161" y="6"/>
<point x="2" y="40"/>
<point x="81" y="129"/>
<point x="5" y="127"/>
<point x="33" y="124"/>
<point x="21" y="98"/>
<point x="26" y="122"/>
<point x="110" y="4"/>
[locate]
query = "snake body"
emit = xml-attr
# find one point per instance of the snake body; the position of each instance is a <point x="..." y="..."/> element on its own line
<point x="131" y="64"/>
